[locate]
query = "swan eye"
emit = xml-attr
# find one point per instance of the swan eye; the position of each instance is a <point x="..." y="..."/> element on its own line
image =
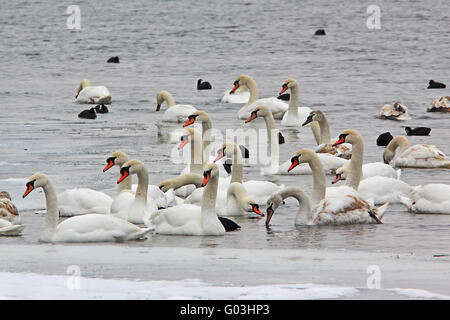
<point x="206" y="173"/>
<point x="111" y="159"/>
<point x="236" y="83"/>
<point x="30" y="183"/>
<point x="295" y="158"/>
<point x="125" y="169"/>
<point x="285" y="86"/>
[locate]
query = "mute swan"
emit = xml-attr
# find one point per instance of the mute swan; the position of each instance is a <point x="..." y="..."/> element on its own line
<point x="85" y="228"/>
<point x="79" y="201"/>
<point x="295" y="116"/>
<point x="8" y="210"/>
<point x="276" y="106"/>
<point x="396" y="111"/>
<point x="180" y="181"/>
<point x="241" y="95"/>
<point x="126" y="190"/>
<point x="9" y="229"/>
<point x="332" y="206"/>
<point x="369" y="170"/>
<point x="141" y="206"/>
<point x="417" y="156"/>
<point x="430" y="198"/>
<point x="380" y="189"/>
<point x="88" y="94"/>
<point x="441" y="105"/>
<point x="330" y="162"/>
<point x="435" y="85"/>
<point x="342" y="151"/>
<point x="188" y="219"/>
<point x="88" y="114"/>
<point x="203" y="85"/>
<point x="384" y="139"/>
<point x="174" y="112"/>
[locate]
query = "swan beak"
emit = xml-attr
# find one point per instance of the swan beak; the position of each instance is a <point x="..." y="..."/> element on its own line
<point x="295" y="163"/>
<point x="30" y="188"/>
<point x="219" y="156"/>
<point x="270" y="212"/>
<point x="108" y="166"/>
<point x="205" y="179"/>
<point x="284" y="89"/>
<point x="341" y="140"/>
<point x="308" y="120"/>
<point x="123" y="176"/>
<point x="190" y="121"/>
<point x="253" y="116"/>
<point x="183" y="142"/>
<point x="335" y="180"/>
<point x="236" y="86"/>
<point x="158" y="106"/>
<point x="257" y="211"/>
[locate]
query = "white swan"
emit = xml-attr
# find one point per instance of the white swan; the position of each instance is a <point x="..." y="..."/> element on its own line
<point x="395" y="111"/>
<point x="189" y="219"/>
<point x="295" y="116"/>
<point x="369" y="170"/>
<point x="417" y="156"/>
<point x="329" y="206"/>
<point x="174" y="112"/>
<point x="88" y="94"/>
<point x="430" y="198"/>
<point x="380" y="189"/>
<point x="9" y="229"/>
<point x="324" y="146"/>
<point x="141" y="207"/>
<point x="276" y="106"/>
<point x="8" y="213"/>
<point x="126" y="189"/>
<point x="84" y="228"/>
<point x="330" y="163"/>
<point x="241" y="95"/>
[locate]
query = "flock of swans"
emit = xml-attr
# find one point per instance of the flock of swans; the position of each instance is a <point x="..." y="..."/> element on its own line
<point x="201" y="200"/>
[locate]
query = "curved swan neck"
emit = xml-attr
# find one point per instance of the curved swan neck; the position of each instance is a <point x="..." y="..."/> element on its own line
<point x="236" y="173"/>
<point x="399" y="141"/>
<point x="141" y="191"/>
<point x="324" y="130"/>
<point x="238" y="192"/>
<point x="169" y="100"/>
<point x="254" y="92"/>
<point x="293" y="102"/>
<point x="52" y="215"/>
<point x="315" y="128"/>
<point x="319" y="179"/>
<point x="355" y="166"/>
<point x="304" y="213"/>
<point x="196" y="165"/>
<point x="208" y="203"/>
<point x="185" y="179"/>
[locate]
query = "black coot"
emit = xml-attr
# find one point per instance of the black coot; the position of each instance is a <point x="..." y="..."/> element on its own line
<point x="203" y="85"/>
<point x="320" y="32"/>
<point x="435" y="85"/>
<point x="88" y="114"/>
<point x="384" y="139"/>
<point x="113" y="60"/>
<point x="419" y="131"/>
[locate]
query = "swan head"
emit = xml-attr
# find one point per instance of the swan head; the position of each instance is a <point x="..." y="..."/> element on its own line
<point x="161" y="97"/>
<point x="199" y="116"/>
<point x="84" y="84"/>
<point x="348" y="136"/>
<point x="389" y="152"/>
<point x="341" y="174"/>
<point x="289" y="83"/>
<point x="241" y="81"/>
<point x="130" y="167"/>
<point x="116" y="158"/>
<point x="315" y="115"/>
<point x="226" y="150"/>
<point x="302" y="156"/>
<point x="400" y="108"/>
<point x="35" y="181"/>
<point x="210" y="170"/>
<point x="258" y="111"/>
<point x="273" y="202"/>
<point x="165" y="185"/>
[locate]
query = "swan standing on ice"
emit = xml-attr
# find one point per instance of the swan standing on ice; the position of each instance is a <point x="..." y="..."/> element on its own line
<point x="174" y="112"/>
<point x="84" y="228"/>
<point x="88" y="94"/>
<point x="276" y="106"/>
<point x="417" y="156"/>
<point x="295" y="116"/>
<point x="189" y="219"/>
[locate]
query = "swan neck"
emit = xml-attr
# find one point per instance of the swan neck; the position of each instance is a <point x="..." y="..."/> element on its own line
<point x="169" y="100"/>
<point x="254" y="92"/>
<point x="293" y="102"/>
<point x="236" y="174"/>
<point x="319" y="179"/>
<point x="315" y="128"/>
<point x="206" y="136"/>
<point x="304" y="213"/>
<point x="324" y="130"/>
<point x="52" y="215"/>
<point x="141" y="191"/>
<point x="209" y="200"/>
<point x="355" y="166"/>
<point x="272" y="139"/>
<point x="196" y="165"/>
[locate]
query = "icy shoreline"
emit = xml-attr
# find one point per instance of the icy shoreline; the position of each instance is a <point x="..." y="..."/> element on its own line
<point x="123" y="272"/>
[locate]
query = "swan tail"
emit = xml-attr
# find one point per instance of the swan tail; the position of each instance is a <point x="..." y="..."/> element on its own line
<point x="13" y="230"/>
<point x="138" y="234"/>
<point x="378" y="213"/>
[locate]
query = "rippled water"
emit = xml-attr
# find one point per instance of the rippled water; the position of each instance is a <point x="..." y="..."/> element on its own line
<point x="167" y="45"/>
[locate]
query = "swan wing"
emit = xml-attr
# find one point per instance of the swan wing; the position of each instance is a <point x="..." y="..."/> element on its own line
<point x="80" y="201"/>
